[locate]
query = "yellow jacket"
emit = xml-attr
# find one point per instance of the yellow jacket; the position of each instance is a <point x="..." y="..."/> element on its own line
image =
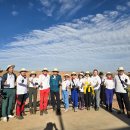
<point x="88" y="87"/>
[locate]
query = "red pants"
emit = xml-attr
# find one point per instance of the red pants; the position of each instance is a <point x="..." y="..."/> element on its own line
<point x="20" y="104"/>
<point x="44" y="99"/>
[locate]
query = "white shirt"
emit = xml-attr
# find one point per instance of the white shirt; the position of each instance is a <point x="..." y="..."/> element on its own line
<point x="45" y="81"/>
<point x="87" y="79"/>
<point x="109" y="83"/>
<point x="21" y="85"/>
<point x="65" y="84"/>
<point x="0" y="82"/>
<point x="75" y="82"/>
<point x="33" y="82"/>
<point x="80" y="84"/>
<point x="11" y="80"/>
<point x="118" y="86"/>
<point x="95" y="80"/>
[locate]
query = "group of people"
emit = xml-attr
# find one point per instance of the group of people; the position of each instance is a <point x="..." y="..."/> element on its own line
<point x="83" y="89"/>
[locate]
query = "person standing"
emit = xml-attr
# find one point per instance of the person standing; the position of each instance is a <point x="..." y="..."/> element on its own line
<point x="74" y="90"/>
<point x="8" y="83"/>
<point x="81" y="91"/>
<point x="55" y="84"/>
<point x="33" y="86"/>
<point x="65" y="93"/>
<point x="95" y="82"/>
<point x="121" y="83"/>
<point x="109" y="89"/>
<point x="44" y="81"/>
<point x="21" y="92"/>
<point x="102" y="92"/>
<point x="88" y="90"/>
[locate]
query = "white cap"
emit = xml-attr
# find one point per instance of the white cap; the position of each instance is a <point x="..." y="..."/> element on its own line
<point x="45" y="69"/>
<point x="33" y="72"/>
<point x="120" y="69"/>
<point x="1" y="70"/>
<point x="73" y="73"/>
<point x="108" y="73"/>
<point x="55" y="70"/>
<point x="87" y="72"/>
<point x="23" y="70"/>
<point x="66" y="75"/>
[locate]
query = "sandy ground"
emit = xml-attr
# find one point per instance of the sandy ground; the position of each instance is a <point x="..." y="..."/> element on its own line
<point x="81" y="120"/>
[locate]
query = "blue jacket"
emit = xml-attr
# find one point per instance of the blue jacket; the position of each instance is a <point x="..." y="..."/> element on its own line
<point x="55" y="83"/>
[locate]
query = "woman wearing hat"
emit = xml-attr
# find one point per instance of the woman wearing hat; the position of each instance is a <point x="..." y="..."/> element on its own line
<point x="88" y="90"/>
<point x="55" y="84"/>
<point x="121" y="83"/>
<point x="21" y="92"/>
<point x="109" y="83"/>
<point x="8" y="83"/>
<point x="74" y="90"/>
<point x="33" y="85"/>
<point x="65" y="93"/>
<point x="81" y="91"/>
<point x="44" y="81"/>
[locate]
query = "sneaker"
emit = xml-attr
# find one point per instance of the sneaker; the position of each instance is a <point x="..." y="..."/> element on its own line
<point x="75" y="110"/>
<point x="45" y="112"/>
<point x="66" y="110"/>
<point x="58" y="112"/>
<point x="4" y="119"/>
<point x="19" y="117"/>
<point x="41" y="113"/>
<point x="10" y="116"/>
<point x="24" y="114"/>
<point x="97" y="109"/>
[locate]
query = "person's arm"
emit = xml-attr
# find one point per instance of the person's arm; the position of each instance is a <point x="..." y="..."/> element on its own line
<point x="20" y="81"/>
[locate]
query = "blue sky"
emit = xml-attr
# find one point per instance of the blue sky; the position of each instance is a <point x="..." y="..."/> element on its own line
<point x="71" y="35"/>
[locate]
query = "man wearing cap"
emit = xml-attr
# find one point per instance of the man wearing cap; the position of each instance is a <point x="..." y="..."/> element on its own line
<point x="33" y="85"/>
<point x="95" y="82"/>
<point x="21" y="93"/>
<point x="8" y="84"/>
<point x="121" y="83"/>
<point x="55" y="84"/>
<point x="44" y="81"/>
<point x="0" y="90"/>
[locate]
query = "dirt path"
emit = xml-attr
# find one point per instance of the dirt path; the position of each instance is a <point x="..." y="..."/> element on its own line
<point x="81" y="120"/>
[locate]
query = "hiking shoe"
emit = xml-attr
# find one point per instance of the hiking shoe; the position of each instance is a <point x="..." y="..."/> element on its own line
<point x="45" y="112"/>
<point x="58" y="112"/>
<point x="41" y="112"/>
<point x="97" y="109"/>
<point x="10" y="116"/>
<point x="4" y="119"/>
<point x="19" y="117"/>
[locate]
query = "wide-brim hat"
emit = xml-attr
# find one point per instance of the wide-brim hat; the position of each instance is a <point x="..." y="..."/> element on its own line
<point x="9" y="67"/>
<point x="45" y="69"/>
<point x="33" y="73"/>
<point x="81" y="74"/>
<point x="108" y="73"/>
<point x="87" y="72"/>
<point x="120" y="69"/>
<point x="1" y="70"/>
<point x="55" y="70"/>
<point x="73" y="73"/>
<point x="66" y="75"/>
<point x="23" y="70"/>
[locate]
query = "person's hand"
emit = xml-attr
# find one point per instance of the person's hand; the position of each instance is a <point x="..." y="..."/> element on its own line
<point x="5" y="83"/>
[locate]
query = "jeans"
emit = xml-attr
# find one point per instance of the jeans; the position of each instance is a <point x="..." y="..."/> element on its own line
<point x="109" y="96"/>
<point x="97" y="98"/>
<point x="65" y="96"/>
<point x="74" y="95"/>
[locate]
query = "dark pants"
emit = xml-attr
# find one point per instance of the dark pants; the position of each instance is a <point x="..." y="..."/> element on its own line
<point x="21" y="99"/>
<point x="122" y="99"/>
<point x="102" y="95"/>
<point x="55" y="99"/>
<point x="88" y="97"/>
<point x="7" y="102"/>
<point x="0" y="105"/>
<point x="33" y="98"/>
<point x="81" y="99"/>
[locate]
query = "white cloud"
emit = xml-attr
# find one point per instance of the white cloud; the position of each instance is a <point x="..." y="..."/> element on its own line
<point x="97" y="41"/>
<point x="61" y="7"/>
<point x="14" y="13"/>
<point x="121" y="8"/>
<point x="128" y="4"/>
